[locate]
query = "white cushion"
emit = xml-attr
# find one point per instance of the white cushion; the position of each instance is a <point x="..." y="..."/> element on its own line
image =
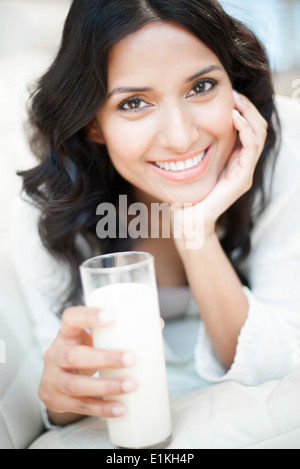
<point x="232" y="416"/>
<point x="224" y="416"/>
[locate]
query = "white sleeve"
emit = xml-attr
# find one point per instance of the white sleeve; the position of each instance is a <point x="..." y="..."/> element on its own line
<point x="42" y="279"/>
<point x="269" y="342"/>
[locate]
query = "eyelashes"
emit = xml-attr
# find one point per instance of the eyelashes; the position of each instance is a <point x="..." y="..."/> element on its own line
<point x="133" y="104"/>
<point x="200" y="88"/>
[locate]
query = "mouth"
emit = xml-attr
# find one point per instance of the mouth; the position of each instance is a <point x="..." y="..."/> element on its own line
<point x="181" y="165"/>
<point x="183" y="169"/>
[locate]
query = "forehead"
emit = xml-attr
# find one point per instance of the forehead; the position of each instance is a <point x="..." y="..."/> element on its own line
<point x="155" y="48"/>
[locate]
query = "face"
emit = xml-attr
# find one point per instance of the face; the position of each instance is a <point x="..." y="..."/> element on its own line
<point x="167" y="120"/>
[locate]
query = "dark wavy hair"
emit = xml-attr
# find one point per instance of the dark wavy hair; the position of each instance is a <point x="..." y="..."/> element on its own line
<point x="74" y="175"/>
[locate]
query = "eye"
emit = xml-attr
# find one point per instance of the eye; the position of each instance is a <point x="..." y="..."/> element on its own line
<point x="202" y="88"/>
<point x="133" y="104"/>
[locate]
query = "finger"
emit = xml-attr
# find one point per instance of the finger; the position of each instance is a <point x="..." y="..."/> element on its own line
<point x="251" y="114"/>
<point x="251" y="147"/>
<point x="78" y="385"/>
<point x="246" y="135"/>
<point x="85" y="357"/>
<point x="75" y="319"/>
<point x="87" y="406"/>
<point x="248" y="110"/>
<point x="244" y="104"/>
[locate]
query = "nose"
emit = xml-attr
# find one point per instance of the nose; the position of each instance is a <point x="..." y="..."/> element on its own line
<point x="178" y="131"/>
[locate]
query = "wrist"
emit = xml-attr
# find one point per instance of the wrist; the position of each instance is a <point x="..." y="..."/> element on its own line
<point x="58" y="419"/>
<point x="192" y="229"/>
<point x="197" y="248"/>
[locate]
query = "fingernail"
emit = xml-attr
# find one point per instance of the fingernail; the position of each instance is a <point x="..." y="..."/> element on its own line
<point x="236" y="94"/>
<point x="128" y="359"/>
<point x="128" y="385"/>
<point x="72" y="341"/>
<point x="118" y="409"/>
<point x="106" y="317"/>
<point x="236" y="113"/>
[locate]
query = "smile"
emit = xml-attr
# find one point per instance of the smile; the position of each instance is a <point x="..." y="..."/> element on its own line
<point x="181" y="165"/>
<point x="183" y="170"/>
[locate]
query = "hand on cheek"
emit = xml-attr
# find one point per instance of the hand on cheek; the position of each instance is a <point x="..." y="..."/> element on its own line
<point x="237" y="177"/>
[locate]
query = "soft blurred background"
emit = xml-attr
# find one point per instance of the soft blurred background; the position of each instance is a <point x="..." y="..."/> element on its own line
<point x="30" y="33"/>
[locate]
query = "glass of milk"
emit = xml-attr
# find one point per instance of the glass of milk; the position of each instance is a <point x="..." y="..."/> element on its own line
<point x="125" y="284"/>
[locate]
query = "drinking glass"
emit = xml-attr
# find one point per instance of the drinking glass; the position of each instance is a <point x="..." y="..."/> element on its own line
<point x="125" y="284"/>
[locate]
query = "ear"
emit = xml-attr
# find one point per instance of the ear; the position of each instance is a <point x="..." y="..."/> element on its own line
<point x="94" y="133"/>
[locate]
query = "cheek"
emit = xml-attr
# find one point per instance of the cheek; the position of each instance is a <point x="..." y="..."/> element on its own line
<point x="219" y="124"/>
<point x="126" y="143"/>
<point x="220" y="119"/>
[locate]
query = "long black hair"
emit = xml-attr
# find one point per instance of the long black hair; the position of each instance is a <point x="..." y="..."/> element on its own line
<point x="73" y="174"/>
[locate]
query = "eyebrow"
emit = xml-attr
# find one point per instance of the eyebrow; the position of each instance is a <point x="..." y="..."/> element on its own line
<point x="122" y="90"/>
<point x="127" y="90"/>
<point x="205" y="71"/>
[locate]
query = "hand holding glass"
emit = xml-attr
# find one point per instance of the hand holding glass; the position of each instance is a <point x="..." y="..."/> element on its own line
<point x="125" y="284"/>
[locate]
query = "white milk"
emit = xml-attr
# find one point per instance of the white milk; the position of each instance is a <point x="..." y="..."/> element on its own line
<point x="137" y="328"/>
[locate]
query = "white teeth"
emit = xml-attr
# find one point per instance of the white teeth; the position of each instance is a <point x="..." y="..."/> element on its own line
<point x="181" y="165"/>
<point x="189" y="163"/>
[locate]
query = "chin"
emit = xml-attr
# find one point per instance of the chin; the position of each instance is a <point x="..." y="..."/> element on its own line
<point x="183" y="201"/>
<point x="193" y="196"/>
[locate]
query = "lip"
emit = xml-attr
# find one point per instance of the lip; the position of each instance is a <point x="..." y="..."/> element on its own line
<point x="186" y="174"/>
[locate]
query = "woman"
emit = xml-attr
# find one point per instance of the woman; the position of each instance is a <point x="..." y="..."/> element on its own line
<point x="164" y="101"/>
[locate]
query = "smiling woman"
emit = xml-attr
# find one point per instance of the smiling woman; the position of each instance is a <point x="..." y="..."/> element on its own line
<point x="164" y="101"/>
<point x="167" y="116"/>
<point x="70" y="95"/>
